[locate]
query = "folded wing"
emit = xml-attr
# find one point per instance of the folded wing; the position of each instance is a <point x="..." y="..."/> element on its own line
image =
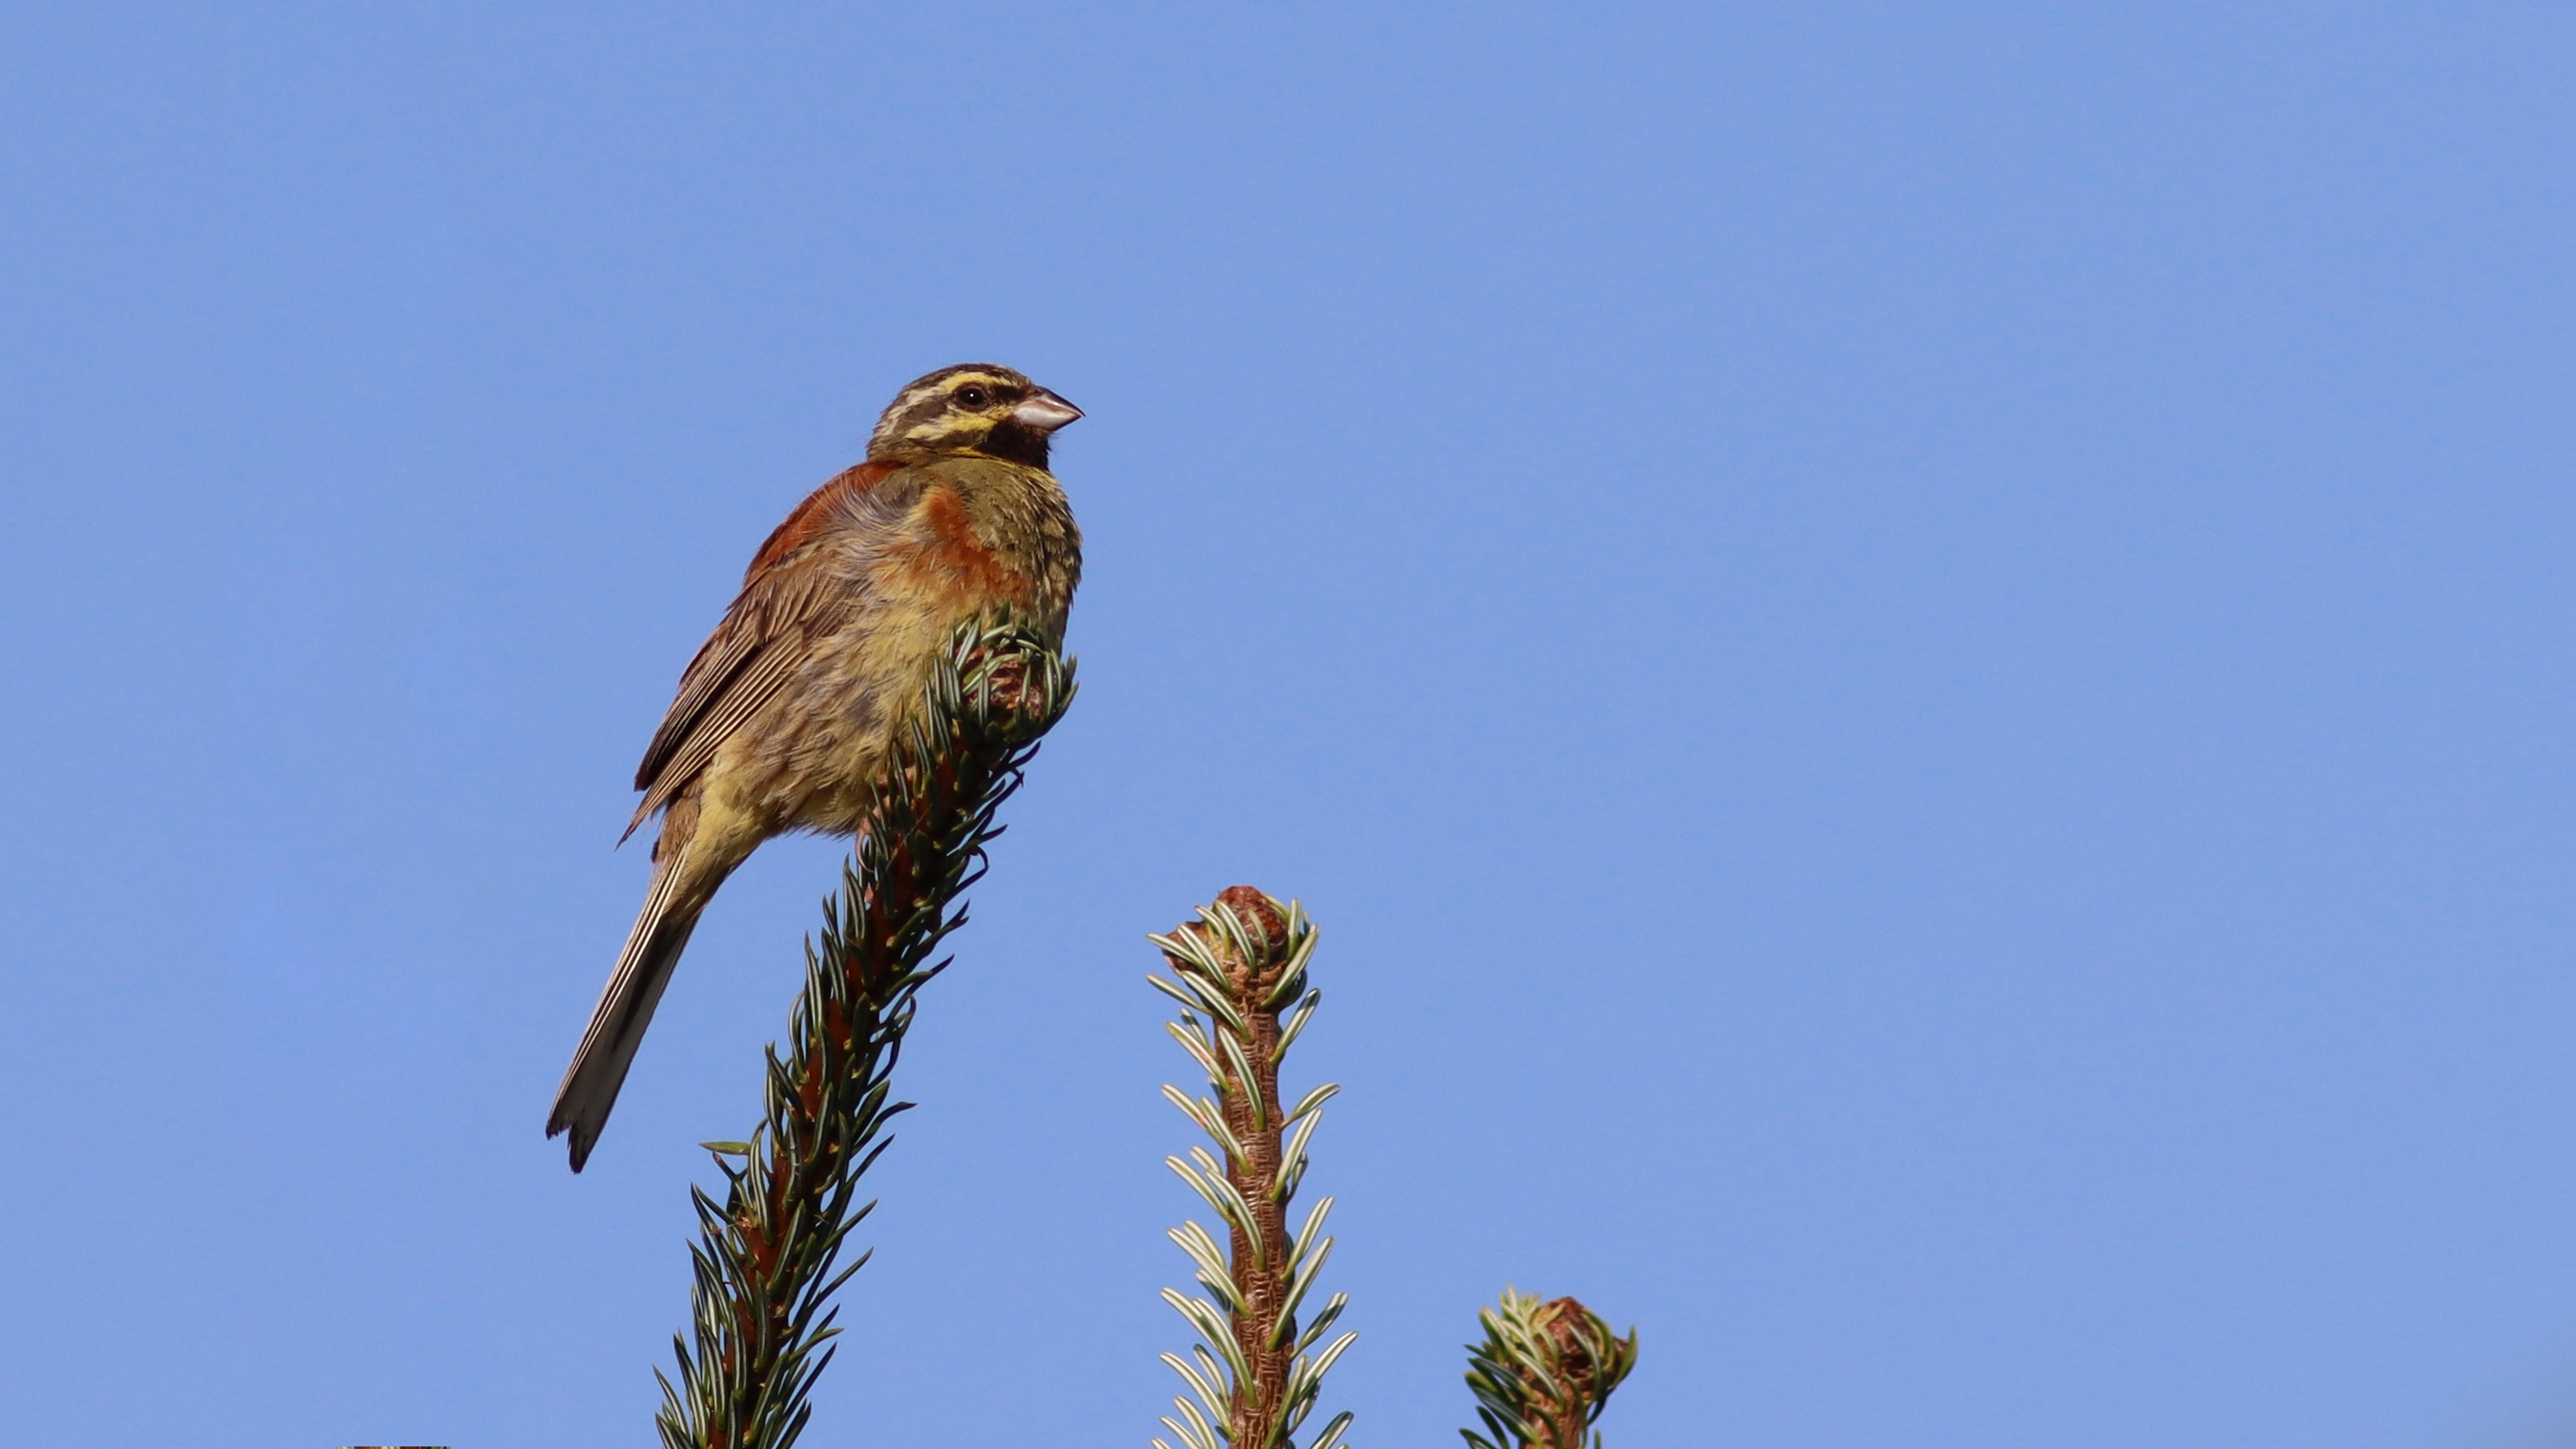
<point x="808" y="579"/>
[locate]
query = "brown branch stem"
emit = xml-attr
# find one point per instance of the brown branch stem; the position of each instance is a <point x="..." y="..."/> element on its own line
<point x="1252" y="1112"/>
<point x="1237" y="971"/>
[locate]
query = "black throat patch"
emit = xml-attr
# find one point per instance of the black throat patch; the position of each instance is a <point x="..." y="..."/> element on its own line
<point x="1016" y="442"/>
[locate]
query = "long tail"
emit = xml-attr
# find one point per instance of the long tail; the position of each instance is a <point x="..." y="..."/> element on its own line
<point x="598" y="1069"/>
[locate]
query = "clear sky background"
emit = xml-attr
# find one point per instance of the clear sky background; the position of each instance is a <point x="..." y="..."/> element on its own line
<point x="1917" y="658"/>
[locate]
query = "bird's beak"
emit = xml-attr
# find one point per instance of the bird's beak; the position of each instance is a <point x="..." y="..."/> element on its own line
<point x="1044" y="411"/>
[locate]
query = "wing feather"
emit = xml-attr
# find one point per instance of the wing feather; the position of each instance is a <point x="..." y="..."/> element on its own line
<point x="809" y="578"/>
<point x="719" y="663"/>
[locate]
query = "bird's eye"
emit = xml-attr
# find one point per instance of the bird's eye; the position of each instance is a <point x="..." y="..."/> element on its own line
<point x="972" y="396"/>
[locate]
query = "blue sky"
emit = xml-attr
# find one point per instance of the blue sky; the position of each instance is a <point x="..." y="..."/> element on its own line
<point x="1916" y="659"/>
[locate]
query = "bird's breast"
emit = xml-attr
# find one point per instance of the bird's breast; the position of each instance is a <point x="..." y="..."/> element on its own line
<point x="955" y="559"/>
<point x="993" y="535"/>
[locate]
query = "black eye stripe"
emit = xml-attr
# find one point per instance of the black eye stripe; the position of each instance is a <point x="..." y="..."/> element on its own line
<point x="935" y="411"/>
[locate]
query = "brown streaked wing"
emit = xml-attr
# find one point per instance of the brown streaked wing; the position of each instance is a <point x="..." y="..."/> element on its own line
<point x="787" y="598"/>
<point x="718" y="663"/>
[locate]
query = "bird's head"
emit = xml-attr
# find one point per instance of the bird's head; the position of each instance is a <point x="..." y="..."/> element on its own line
<point x="976" y="408"/>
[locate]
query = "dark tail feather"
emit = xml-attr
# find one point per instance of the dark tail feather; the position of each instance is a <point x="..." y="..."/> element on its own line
<point x="617" y="1028"/>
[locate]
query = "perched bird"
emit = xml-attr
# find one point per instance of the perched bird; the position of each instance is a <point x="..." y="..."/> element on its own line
<point x="789" y="710"/>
